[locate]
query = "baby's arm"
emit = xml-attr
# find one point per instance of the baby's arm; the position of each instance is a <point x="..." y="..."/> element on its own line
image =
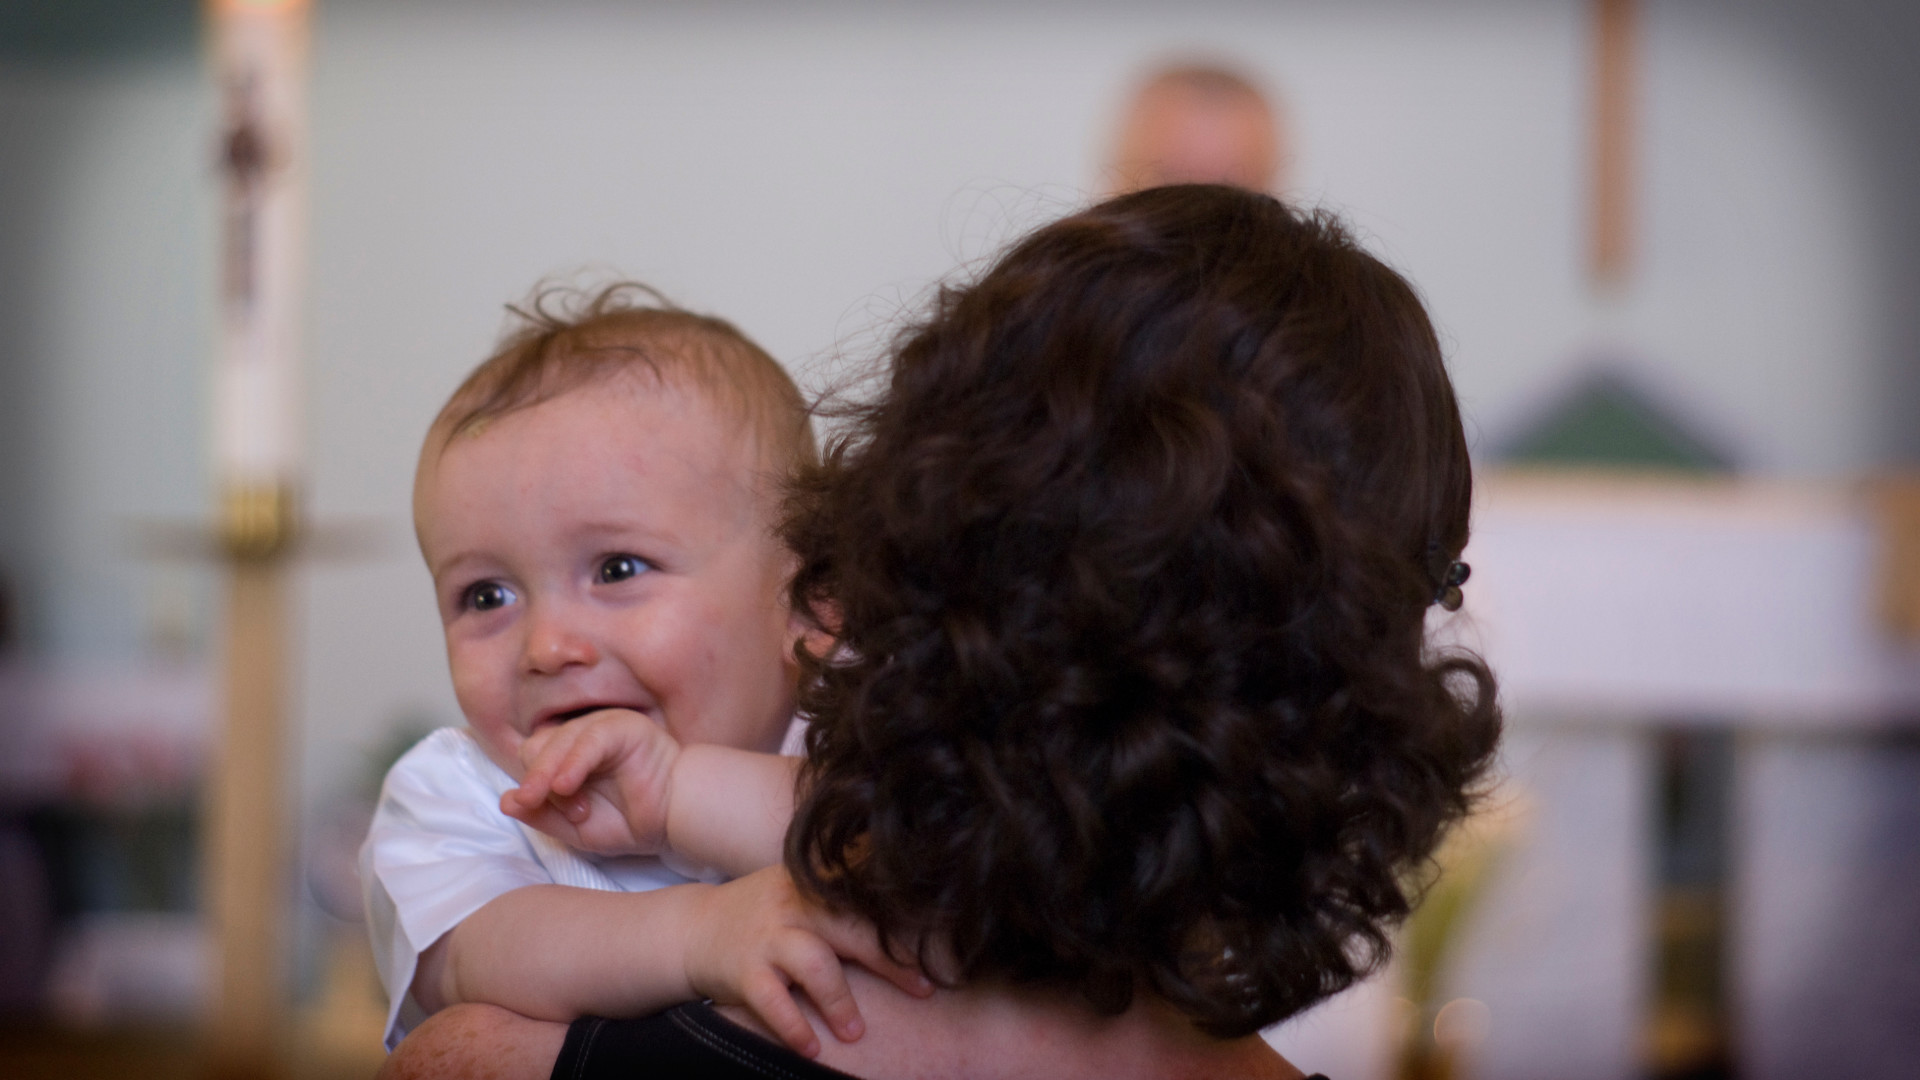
<point x="550" y="952"/>
<point x="730" y="808"/>
<point x="614" y="782"/>
<point x="555" y="952"/>
<point x="617" y="783"/>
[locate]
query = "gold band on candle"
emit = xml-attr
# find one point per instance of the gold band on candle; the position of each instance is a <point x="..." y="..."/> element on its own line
<point x="257" y="521"/>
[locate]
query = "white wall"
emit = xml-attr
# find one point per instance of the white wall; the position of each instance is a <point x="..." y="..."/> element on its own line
<point x="105" y="276"/>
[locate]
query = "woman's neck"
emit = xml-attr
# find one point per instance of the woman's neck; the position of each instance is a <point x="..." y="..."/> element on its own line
<point x="1000" y="1033"/>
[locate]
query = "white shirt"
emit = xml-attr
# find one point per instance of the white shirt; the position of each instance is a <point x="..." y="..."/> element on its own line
<point x="439" y="849"/>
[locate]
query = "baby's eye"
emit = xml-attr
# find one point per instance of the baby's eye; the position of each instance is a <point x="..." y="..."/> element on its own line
<point x="486" y="596"/>
<point x="621" y="567"/>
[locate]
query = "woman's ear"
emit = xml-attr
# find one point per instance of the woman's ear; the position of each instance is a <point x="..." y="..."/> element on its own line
<point x="814" y="632"/>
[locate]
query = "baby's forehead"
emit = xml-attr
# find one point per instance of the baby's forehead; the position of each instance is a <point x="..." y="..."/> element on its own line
<point x="640" y="387"/>
<point x="604" y="435"/>
<point x="740" y="445"/>
<point x="619" y="395"/>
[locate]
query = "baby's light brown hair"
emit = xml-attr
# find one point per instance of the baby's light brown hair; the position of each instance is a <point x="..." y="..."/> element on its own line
<point x="568" y="338"/>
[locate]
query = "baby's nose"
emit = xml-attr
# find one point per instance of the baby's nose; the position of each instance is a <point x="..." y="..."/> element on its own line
<point x="554" y="643"/>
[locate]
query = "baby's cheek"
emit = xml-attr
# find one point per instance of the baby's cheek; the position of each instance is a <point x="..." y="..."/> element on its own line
<point x="693" y="685"/>
<point x="761" y="678"/>
<point x="468" y="690"/>
<point x="488" y="709"/>
<point x="718" y="689"/>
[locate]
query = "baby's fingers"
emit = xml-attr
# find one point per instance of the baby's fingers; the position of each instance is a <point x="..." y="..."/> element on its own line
<point x="810" y="962"/>
<point x="767" y="995"/>
<point x="534" y="793"/>
<point x="576" y="809"/>
<point x="544" y="817"/>
<point x="594" y="748"/>
<point x="856" y="939"/>
<point x="525" y="799"/>
<point x="559" y="759"/>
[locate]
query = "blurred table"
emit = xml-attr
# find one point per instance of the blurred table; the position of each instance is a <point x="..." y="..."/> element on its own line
<point x="1727" y="601"/>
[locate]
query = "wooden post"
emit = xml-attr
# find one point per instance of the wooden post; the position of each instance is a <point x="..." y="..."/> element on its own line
<point x="1610" y="236"/>
<point x="1897" y="500"/>
<point x="245" y="823"/>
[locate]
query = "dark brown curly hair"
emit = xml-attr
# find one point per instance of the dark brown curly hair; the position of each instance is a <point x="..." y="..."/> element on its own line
<point x="1129" y="566"/>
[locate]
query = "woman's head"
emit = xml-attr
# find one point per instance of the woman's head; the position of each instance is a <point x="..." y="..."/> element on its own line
<point x="1130" y="565"/>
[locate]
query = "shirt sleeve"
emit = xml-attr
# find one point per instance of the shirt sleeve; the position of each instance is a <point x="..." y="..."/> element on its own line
<point x="437" y="851"/>
<point x="794" y="743"/>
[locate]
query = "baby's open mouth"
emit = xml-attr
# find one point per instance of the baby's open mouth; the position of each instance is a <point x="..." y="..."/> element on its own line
<point x="575" y="714"/>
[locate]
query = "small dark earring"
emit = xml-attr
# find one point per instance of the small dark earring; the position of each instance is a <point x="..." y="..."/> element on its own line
<point x="1449" y="595"/>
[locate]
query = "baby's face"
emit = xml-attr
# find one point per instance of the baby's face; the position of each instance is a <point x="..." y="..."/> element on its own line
<point x="609" y="548"/>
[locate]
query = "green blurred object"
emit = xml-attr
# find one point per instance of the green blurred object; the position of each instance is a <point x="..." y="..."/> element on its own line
<point x="403" y="731"/>
<point x="71" y="30"/>
<point x="139" y="857"/>
<point x="1606" y="421"/>
<point x="1464" y="868"/>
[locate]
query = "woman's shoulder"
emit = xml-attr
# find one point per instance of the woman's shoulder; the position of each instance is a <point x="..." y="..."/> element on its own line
<point x="1005" y="1034"/>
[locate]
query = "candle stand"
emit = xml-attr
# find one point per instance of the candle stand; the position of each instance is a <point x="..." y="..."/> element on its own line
<point x="245" y="816"/>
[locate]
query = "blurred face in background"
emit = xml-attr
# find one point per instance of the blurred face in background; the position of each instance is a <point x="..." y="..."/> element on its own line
<point x="1198" y="125"/>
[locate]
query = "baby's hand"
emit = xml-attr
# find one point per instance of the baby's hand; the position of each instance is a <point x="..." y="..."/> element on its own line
<point x="600" y="783"/>
<point x="757" y="936"/>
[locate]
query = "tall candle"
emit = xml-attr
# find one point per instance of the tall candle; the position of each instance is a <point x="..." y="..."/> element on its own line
<point x="260" y="63"/>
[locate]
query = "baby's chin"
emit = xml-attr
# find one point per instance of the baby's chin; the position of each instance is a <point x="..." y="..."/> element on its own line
<point x="503" y="751"/>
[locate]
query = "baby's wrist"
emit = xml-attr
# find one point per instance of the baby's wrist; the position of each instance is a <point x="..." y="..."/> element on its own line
<point x="680" y="797"/>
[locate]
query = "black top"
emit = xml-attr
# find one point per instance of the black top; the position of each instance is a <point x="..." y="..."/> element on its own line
<point x="686" y="1042"/>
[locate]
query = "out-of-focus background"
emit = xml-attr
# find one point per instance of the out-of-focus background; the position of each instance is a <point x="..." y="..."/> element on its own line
<point x="1705" y="860"/>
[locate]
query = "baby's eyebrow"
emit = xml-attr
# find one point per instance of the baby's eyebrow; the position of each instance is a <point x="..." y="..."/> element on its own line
<point x="624" y="530"/>
<point x="453" y="564"/>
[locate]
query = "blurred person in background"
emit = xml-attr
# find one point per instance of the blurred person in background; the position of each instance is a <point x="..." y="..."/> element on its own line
<point x="1199" y="123"/>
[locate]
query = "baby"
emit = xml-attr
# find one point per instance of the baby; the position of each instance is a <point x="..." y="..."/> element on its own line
<point x="595" y="504"/>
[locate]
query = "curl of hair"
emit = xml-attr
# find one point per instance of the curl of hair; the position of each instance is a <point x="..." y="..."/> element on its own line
<point x="1129" y="567"/>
